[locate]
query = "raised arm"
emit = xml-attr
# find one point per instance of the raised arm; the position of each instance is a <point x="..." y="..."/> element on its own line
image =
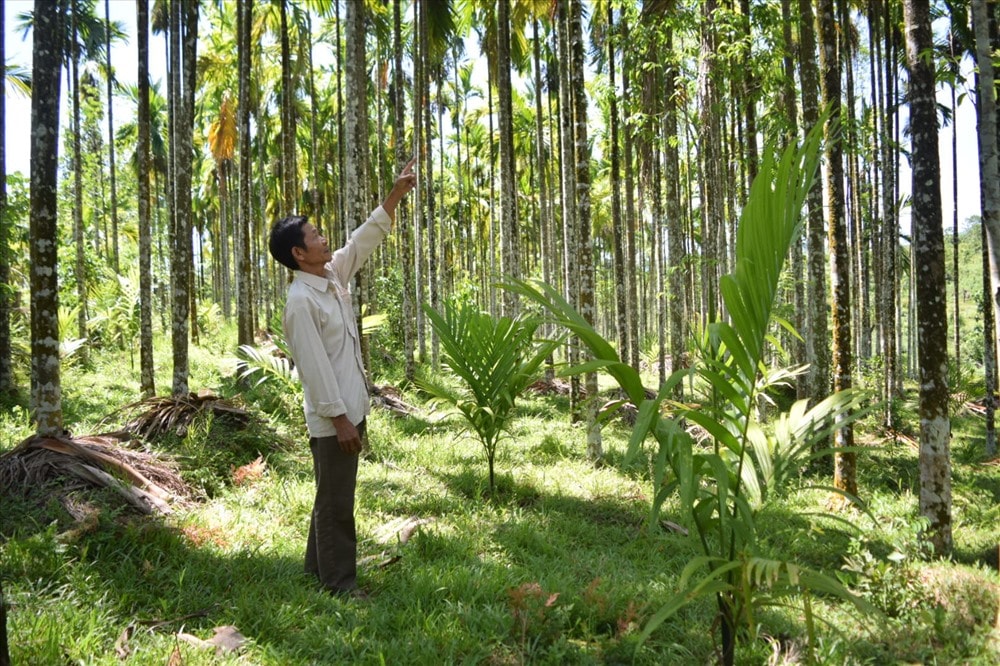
<point x="405" y="181"/>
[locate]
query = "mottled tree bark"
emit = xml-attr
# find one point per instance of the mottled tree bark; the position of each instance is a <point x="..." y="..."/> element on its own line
<point x="244" y="285"/>
<point x="146" y="371"/>
<point x="845" y="461"/>
<point x="6" y="351"/>
<point x="509" y="242"/>
<point x="816" y="331"/>
<point x="47" y="54"/>
<point x="932" y="315"/>
<point x="585" y="248"/>
<point x="356" y="200"/>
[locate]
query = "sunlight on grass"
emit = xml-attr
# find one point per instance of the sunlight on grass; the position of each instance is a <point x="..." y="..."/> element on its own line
<point x="560" y="570"/>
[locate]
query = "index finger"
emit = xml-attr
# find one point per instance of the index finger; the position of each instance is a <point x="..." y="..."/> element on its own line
<point x="409" y="165"/>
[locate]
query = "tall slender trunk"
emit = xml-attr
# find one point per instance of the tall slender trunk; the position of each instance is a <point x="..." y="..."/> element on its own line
<point x="356" y="136"/>
<point x="405" y="228"/>
<point x="289" y="180"/>
<point x="544" y="202"/>
<point x="571" y="277"/>
<point x="989" y="188"/>
<point x="509" y="241"/>
<point x="420" y="147"/>
<point x="988" y="157"/>
<point x="712" y="176"/>
<point x="630" y="216"/>
<point x="816" y="330"/>
<point x="845" y="460"/>
<point x="79" y="267"/>
<point x="112" y="167"/>
<point x="146" y="370"/>
<point x="935" y="424"/>
<point x="244" y="284"/>
<point x="47" y="52"/>
<point x="791" y="136"/>
<point x="617" y="224"/>
<point x="749" y="94"/>
<point x="954" y="65"/>
<point x="429" y="222"/>
<point x="676" y="266"/>
<point x="585" y="249"/>
<point x="184" y="57"/>
<point x="6" y="297"/>
<point x="989" y="353"/>
<point x="314" y="159"/>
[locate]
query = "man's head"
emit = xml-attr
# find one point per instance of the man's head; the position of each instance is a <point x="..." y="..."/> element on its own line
<point x="286" y="234"/>
<point x="298" y="245"/>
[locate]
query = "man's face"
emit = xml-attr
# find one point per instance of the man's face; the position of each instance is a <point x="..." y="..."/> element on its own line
<point x="316" y="252"/>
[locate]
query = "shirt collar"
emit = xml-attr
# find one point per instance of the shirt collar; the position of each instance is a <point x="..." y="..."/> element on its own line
<point x="319" y="283"/>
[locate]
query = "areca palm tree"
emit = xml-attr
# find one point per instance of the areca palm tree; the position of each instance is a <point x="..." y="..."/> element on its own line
<point x="143" y="171"/>
<point x="47" y="57"/>
<point x="6" y="354"/>
<point x="845" y="463"/>
<point x="935" y="426"/>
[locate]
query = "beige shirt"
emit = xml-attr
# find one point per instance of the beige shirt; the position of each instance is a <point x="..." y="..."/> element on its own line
<point x="322" y="333"/>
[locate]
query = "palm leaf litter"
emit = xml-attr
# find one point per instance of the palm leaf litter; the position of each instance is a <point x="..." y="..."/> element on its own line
<point x="146" y="481"/>
<point x="162" y="414"/>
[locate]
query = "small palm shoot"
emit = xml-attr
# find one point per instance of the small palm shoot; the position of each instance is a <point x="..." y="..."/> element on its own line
<point x="495" y="360"/>
<point x="739" y="462"/>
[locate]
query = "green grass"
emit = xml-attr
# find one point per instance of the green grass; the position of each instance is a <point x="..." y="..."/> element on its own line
<point x="558" y="568"/>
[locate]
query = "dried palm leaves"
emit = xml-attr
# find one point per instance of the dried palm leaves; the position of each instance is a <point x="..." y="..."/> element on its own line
<point x="159" y="415"/>
<point x="145" y="481"/>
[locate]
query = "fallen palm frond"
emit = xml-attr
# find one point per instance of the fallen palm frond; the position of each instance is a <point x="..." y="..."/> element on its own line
<point x="144" y="481"/>
<point x="162" y="414"/>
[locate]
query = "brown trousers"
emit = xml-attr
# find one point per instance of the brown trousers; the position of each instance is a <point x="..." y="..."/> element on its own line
<point x="332" y="548"/>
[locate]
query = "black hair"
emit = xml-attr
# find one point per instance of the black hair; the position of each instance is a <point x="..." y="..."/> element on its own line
<point x="286" y="234"/>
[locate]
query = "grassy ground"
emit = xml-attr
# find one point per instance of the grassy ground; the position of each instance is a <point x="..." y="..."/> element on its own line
<point x="558" y="568"/>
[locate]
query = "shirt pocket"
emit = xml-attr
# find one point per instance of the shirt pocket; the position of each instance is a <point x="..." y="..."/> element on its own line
<point x="331" y="320"/>
<point x="349" y="323"/>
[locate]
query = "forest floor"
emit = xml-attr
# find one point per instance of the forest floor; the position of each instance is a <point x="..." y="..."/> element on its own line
<point x="559" y="566"/>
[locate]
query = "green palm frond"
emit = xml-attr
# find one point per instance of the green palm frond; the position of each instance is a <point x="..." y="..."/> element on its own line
<point x="716" y="454"/>
<point x="261" y="366"/>
<point x="495" y="359"/>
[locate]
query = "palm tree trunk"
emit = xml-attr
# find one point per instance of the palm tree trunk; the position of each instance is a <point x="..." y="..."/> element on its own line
<point x="405" y="228"/>
<point x="544" y="198"/>
<point x="289" y="182"/>
<point x="676" y="266"/>
<point x="712" y="177"/>
<point x="989" y="351"/>
<point x="935" y="425"/>
<point x="6" y="298"/>
<point x="617" y="223"/>
<point x="509" y="241"/>
<point x="146" y="373"/>
<point x="244" y="293"/>
<point x="845" y="461"/>
<point x="111" y="136"/>
<point x="989" y="188"/>
<point x="356" y="138"/>
<point x="79" y="269"/>
<point x="568" y="184"/>
<point x="183" y="58"/>
<point x="816" y="330"/>
<point x="585" y="249"/>
<point x="47" y="55"/>
<point x="988" y="160"/>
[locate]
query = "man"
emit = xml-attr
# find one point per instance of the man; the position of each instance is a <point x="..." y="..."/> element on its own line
<point x="322" y="335"/>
